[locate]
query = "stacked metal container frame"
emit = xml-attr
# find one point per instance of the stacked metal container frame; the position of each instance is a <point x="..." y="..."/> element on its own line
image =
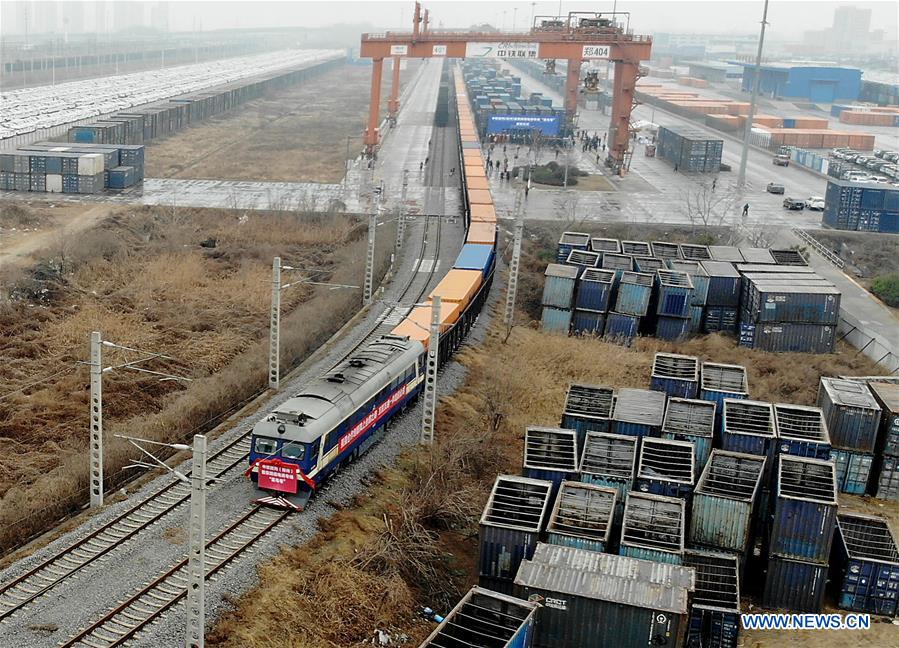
<point x="801" y="431"/>
<point x="723" y="296"/>
<point x="582" y="516"/>
<point x="666" y="467"/>
<point x="619" y="263"/>
<point x="636" y="248"/>
<point x="571" y="241"/>
<point x="610" y="460"/>
<point x="789" y="257"/>
<point x="599" y="599"/>
<point x="486" y="619"/>
<point x="885" y="484"/>
<point x="719" y="381"/>
<point x="749" y="426"/>
<point x="638" y="412"/>
<point x="603" y="245"/>
<point x="692" y="252"/>
<point x="675" y="295"/>
<point x="757" y="255"/>
<point x="592" y="300"/>
<point x="698" y="277"/>
<point x="550" y="454"/>
<point x="648" y="264"/>
<point x="690" y="149"/>
<point x="691" y="420"/>
<point x="802" y="531"/>
<point x="664" y="250"/>
<point x="715" y="605"/>
<point x="634" y="293"/>
<point x="724" y="501"/>
<point x="558" y="297"/>
<point x="867" y="560"/>
<point x="726" y="253"/>
<point x="675" y="375"/>
<point x="510" y="527"/>
<point x="588" y="408"/>
<point x="653" y="528"/>
<point x="583" y="259"/>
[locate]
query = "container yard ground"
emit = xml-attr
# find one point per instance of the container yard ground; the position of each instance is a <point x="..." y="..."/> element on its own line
<point x="296" y="135"/>
<point x="340" y="588"/>
<point x="142" y="278"/>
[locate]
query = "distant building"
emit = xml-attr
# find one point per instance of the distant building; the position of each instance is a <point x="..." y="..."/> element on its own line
<point x="881" y="88"/>
<point x="850" y="33"/>
<point x="714" y="71"/>
<point x="159" y="16"/>
<point x="127" y="15"/>
<point x="812" y="82"/>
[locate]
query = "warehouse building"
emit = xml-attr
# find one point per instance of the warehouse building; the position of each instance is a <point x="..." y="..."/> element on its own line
<point x="812" y="82"/>
<point x="880" y="88"/>
<point x="714" y="72"/>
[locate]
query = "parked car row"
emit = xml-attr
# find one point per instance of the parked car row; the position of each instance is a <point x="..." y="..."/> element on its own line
<point x="881" y="167"/>
<point x="29" y="109"/>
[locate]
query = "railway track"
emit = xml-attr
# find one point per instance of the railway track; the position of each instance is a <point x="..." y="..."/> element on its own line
<point x="128" y="618"/>
<point x="123" y="622"/>
<point x="38" y="581"/>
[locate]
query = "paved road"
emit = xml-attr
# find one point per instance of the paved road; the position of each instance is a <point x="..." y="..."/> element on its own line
<point x="654" y="193"/>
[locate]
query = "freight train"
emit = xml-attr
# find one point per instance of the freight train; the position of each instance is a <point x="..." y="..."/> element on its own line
<point x="339" y="416"/>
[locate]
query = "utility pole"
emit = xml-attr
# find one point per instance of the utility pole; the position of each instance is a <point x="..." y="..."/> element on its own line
<point x="429" y="402"/>
<point x="744" y="153"/>
<point x="516" y="260"/>
<point x="96" y="442"/>
<point x="401" y="225"/>
<point x="370" y="253"/>
<point x="196" y="559"/>
<point x="274" y="338"/>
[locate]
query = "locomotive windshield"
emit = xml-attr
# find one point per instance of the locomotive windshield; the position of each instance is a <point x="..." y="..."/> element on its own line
<point x="294" y="451"/>
<point x="265" y="446"/>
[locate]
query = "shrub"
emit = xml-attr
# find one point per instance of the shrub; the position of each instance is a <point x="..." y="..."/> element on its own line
<point x="551" y="173"/>
<point x="886" y="288"/>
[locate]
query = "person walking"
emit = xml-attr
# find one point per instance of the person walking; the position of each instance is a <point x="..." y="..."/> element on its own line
<point x="714" y="183"/>
<point x="675" y="167"/>
<point x="527" y="189"/>
<point x="421" y="165"/>
<point x="427" y="159"/>
<point x="745" y="210"/>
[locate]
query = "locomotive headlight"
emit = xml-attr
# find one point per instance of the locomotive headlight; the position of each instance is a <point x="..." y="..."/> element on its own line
<point x="281" y="428"/>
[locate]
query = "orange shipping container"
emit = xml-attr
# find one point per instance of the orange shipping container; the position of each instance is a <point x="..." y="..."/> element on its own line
<point x="417" y="324"/>
<point x="483" y="233"/>
<point x="472" y="171"/>
<point x="458" y="286"/>
<point x="478" y="183"/>
<point x="738" y="108"/>
<point x="483" y="213"/>
<point x="810" y="122"/>
<point x="765" y="120"/>
<point x="861" y="142"/>
<point x="480" y="197"/>
<point x="472" y="156"/>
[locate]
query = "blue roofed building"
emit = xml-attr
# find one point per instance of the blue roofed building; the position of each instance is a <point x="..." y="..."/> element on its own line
<point x="814" y="82"/>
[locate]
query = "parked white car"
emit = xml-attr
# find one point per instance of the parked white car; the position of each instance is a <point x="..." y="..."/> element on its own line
<point x="815" y="202"/>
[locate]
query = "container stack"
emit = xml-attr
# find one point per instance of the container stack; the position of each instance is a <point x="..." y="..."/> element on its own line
<point x="724" y="503"/>
<point x="715" y="606"/>
<point x="861" y="207"/>
<point x="593" y="296"/>
<point x="675" y="375"/>
<point x="653" y="528"/>
<point x="510" y="527"/>
<point x="674" y="301"/>
<point x="636" y="248"/>
<point x="558" y="297"/>
<point x="631" y="302"/>
<point x="802" y="530"/>
<point x="853" y="421"/>
<point x="666" y="467"/>
<point x="693" y="421"/>
<point x="598" y="599"/>
<point x="801" y="431"/>
<point x="868" y="564"/>
<point x="700" y="280"/>
<point x="582" y="517"/>
<point x="648" y="264"/>
<point x="571" y="241"/>
<point x="690" y="149"/>
<point x="719" y="381"/>
<point x="723" y="297"/>
<point x="610" y="460"/>
<point x="789" y="312"/>
<point x="550" y="454"/>
<point x="886" y="482"/>
<point x="638" y="412"/>
<point x="588" y="408"/>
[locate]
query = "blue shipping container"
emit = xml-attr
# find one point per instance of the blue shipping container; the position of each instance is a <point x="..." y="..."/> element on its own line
<point x="588" y="323"/>
<point x="594" y="290"/>
<point x="634" y="293"/>
<point x="556" y="320"/>
<point x="805" y="510"/>
<point x="795" y="585"/>
<point x="672" y="328"/>
<point x="853" y="470"/>
<point x="868" y="561"/>
<point x="475" y="257"/>
<point x="620" y="325"/>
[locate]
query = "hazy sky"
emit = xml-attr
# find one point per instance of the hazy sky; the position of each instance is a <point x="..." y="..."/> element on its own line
<point x="786" y="17"/>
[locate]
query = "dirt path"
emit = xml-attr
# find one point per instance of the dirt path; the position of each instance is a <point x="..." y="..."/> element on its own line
<point x="17" y="248"/>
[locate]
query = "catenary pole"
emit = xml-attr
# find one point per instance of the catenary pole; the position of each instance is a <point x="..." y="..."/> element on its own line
<point x="96" y="417"/>
<point x="196" y="560"/>
<point x="429" y="402"/>
<point x="756" y="82"/>
<point x="274" y="338"/>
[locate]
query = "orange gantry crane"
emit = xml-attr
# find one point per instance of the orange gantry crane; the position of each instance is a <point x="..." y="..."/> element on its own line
<point x="577" y="37"/>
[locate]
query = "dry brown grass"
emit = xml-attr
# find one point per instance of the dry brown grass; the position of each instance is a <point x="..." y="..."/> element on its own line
<point x="262" y="140"/>
<point x="142" y="279"/>
<point x="415" y="529"/>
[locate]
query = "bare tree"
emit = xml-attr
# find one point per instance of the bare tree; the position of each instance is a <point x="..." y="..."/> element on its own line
<point x="707" y="207"/>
